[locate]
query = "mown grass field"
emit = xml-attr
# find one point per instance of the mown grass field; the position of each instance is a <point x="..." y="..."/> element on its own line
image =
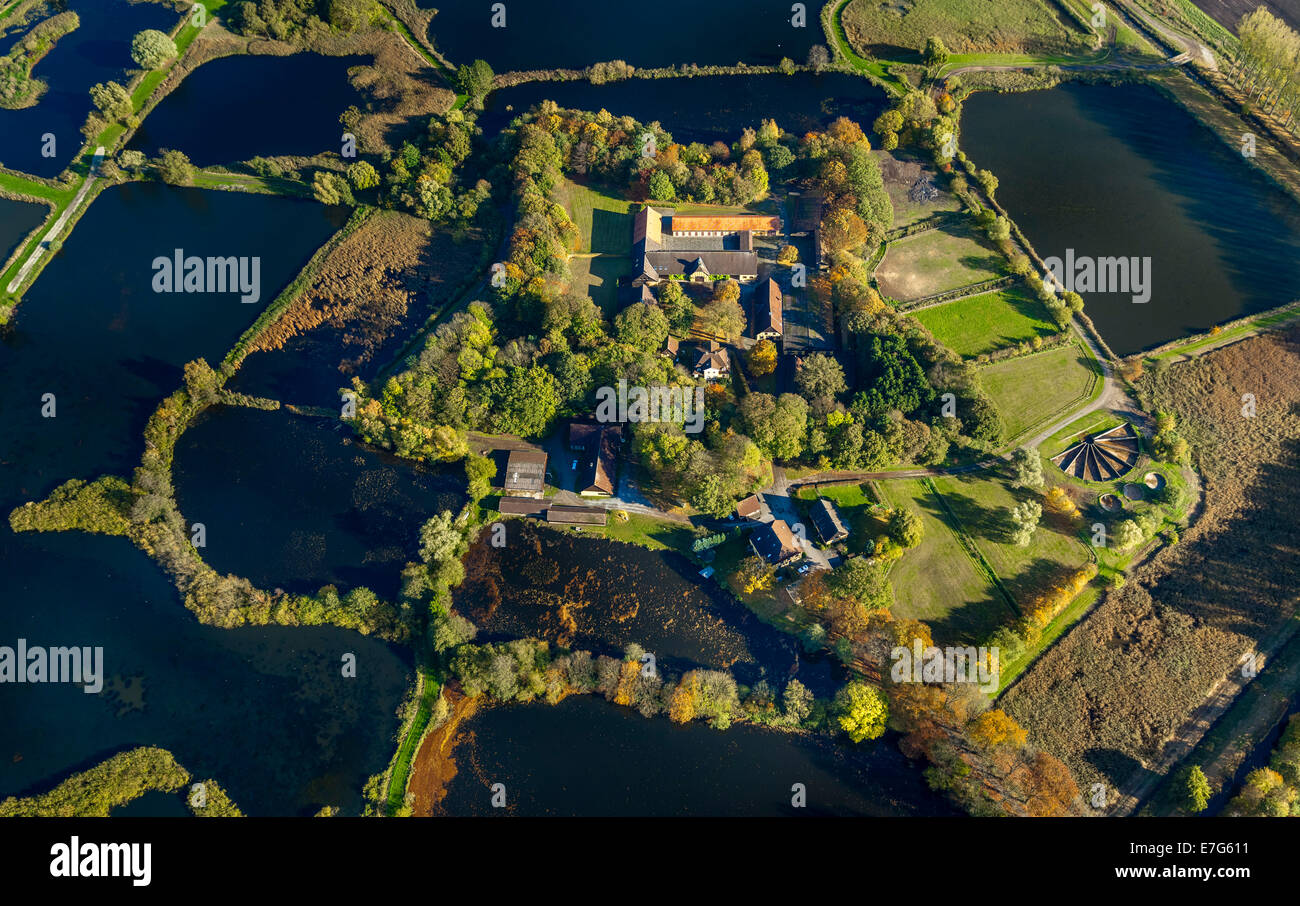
<point x="964" y="25"/>
<point x="937" y="581"/>
<point x="937" y="261"/>
<point x="646" y="531"/>
<point x="981" y="502"/>
<point x="1032" y="390"/>
<point x="598" y="278"/>
<point x="980" y="324"/>
<point x="604" y="225"/>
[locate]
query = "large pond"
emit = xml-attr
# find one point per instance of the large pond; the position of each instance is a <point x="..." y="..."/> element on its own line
<point x="585" y="756"/>
<point x="240" y="107"/>
<point x="92" y="331"/>
<point x="537" y="34"/>
<point x="602" y="595"/>
<point x="703" y="108"/>
<point x="98" y="51"/>
<point x="265" y="711"/>
<point x="17" y="219"/>
<point x="291" y="501"/>
<point x="1107" y="171"/>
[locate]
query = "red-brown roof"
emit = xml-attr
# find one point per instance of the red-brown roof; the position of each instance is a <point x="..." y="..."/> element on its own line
<point x="725" y="223"/>
<point x="767" y="308"/>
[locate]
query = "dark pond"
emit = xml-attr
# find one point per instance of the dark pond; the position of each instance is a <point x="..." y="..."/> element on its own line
<point x="98" y="51"/>
<point x="703" y="108"/>
<point x="1124" y="172"/>
<point x="586" y="756"/>
<point x="291" y="501"/>
<point x="264" y="711"/>
<point x="236" y="108"/>
<point x="541" y="34"/>
<point x="602" y="595"/>
<point x="17" y="219"/>
<point x="92" y="331"/>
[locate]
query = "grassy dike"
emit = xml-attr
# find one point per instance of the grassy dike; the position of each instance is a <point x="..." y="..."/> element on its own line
<point x="394" y="782"/>
<point x="142" y="90"/>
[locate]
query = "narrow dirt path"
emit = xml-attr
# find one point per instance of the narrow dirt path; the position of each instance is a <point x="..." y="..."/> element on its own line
<point x="59" y="224"/>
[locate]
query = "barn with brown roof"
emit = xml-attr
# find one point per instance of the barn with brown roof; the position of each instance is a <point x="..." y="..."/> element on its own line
<point x="577" y="515"/>
<point x="768" y="322"/>
<point x="597" y="471"/>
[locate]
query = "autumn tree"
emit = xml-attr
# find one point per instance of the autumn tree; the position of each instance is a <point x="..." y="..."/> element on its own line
<point x="754" y="575"/>
<point x="762" y="358"/>
<point x="820" y="375"/>
<point x="995" y="729"/>
<point x="1059" y="501"/>
<point x="722" y="317"/>
<point x="843" y="230"/>
<point x="1050" y="787"/>
<point x="861" y="711"/>
<point x="1196" y="790"/>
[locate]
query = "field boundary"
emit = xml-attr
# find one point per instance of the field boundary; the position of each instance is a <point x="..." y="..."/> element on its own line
<point x="968" y="545"/>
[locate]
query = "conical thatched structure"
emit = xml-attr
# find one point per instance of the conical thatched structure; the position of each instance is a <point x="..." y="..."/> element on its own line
<point x="1101" y="457"/>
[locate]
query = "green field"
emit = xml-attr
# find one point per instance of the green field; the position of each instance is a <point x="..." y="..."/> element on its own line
<point x="981" y="324"/>
<point x="964" y="25"/>
<point x="981" y="502"/>
<point x="938" y="582"/>
<point x="646" y="531"/>
<point x="604" y="225"/>
<point x="598" y="278"/>
<point x="937" y="261"/>
<point x="1033" y="390"/>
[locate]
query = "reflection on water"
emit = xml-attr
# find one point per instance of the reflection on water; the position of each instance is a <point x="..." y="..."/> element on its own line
<point x="98" y="51"/>
<point x="585" y="756"/>
<point x="265" y="97"/>
<point x="330" y="512"/>
<point x="1125" y="172"/>
<point x="704" y="108"/>
<point x="265" y="711"/>
<point x="17" y="219"/>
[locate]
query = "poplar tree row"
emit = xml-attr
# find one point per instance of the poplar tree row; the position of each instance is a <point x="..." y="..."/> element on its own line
<point x="1268" y="67"/>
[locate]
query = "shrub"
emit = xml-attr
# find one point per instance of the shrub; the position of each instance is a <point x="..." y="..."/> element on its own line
<point x="152" y="49"/>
